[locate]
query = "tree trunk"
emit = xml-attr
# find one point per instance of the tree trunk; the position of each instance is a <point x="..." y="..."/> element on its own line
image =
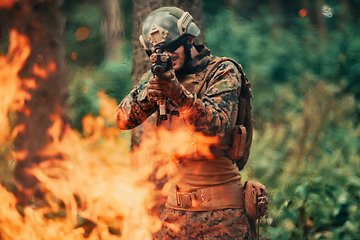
<point x="43" y="24"/>
<point x="316" y="18"/>
<point x="111" y="28"/>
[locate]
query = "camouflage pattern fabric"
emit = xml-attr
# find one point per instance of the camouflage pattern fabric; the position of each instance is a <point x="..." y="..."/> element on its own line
<point x="229" y="223"/>
<point x="210" y="115"/>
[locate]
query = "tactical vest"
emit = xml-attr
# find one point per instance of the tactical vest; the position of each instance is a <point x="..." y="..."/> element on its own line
<point x="237" y="142"/>
<point x="198" y="184"/>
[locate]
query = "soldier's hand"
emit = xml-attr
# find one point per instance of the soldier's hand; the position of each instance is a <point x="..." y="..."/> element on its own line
<point x="154" y="91"/>
<point x="167" y="86"/>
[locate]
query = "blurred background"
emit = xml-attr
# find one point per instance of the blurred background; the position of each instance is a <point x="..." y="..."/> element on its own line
<point x="303" y="61"/>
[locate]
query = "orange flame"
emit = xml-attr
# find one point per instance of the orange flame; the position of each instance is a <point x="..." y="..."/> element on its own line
<point x="103" y="181"/>
<point x="92" y="177"/>
<point x="43" y="72"/>
<point x="185" y="142"/>
<point x="13" y="93"/>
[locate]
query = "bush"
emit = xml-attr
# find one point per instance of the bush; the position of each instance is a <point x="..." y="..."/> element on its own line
<point x="306" y="140"/>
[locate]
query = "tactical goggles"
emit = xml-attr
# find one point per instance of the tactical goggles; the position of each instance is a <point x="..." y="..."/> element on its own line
<point x="172" y="47"/>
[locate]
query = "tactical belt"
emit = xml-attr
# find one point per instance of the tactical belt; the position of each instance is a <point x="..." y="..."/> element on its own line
<point x="219" y="197"/>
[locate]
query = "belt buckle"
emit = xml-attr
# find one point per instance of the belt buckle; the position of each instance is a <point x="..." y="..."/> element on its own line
<point x="178" y="199"/>
<point x="186" y="199"/>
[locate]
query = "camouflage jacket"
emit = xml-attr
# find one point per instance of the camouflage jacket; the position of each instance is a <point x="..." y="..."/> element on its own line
<point x="210" y="114"/>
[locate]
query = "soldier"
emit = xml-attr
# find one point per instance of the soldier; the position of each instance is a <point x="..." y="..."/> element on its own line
<point x="207" y="203"/>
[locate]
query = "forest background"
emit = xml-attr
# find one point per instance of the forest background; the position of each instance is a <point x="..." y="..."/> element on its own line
<point x="303" y="61"/>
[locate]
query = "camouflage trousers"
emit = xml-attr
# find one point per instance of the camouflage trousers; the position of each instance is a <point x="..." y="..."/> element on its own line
<point x="229" y="223"/>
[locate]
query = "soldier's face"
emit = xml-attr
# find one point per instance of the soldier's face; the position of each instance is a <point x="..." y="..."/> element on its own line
<point x="178" y="57"/>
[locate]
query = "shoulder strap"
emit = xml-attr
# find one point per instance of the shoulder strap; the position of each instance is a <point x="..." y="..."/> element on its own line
<point x="244" y="115"/>
<point x="245" y="94"/>
<point x="205" y="79"/>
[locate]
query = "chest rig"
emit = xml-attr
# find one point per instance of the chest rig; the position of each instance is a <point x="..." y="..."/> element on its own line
<point x="236" y="143"/>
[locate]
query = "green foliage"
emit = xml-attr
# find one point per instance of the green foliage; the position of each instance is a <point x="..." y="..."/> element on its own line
<point x="90" y="72"/>
<point x="306" y="105"/>
<point x="306" y="97"/>
<point x="83" y="99"/>
<point x="313" y="181"/>
<point x="114" y="76"/>
<point x="111" y="77"/>
<point x="89" y="51"/>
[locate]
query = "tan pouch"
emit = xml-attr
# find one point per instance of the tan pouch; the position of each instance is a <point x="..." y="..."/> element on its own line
<point x="236" y="152"/>
<point x="256" y="200"/>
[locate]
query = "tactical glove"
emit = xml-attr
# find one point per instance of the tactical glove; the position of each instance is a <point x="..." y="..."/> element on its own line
<point x="166" y="86"/>
<point x="150" y="93"/>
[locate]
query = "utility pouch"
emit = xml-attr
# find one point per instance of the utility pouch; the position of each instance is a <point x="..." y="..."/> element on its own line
<point x="256" y="205"/>
<point x="236" y="152"/>
<point x="256" y="200"/>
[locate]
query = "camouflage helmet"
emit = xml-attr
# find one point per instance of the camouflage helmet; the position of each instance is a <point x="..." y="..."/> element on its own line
<point x="164" y="26"/>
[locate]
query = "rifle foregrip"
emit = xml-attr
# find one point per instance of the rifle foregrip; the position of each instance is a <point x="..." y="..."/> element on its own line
<point x="162" y="108"/>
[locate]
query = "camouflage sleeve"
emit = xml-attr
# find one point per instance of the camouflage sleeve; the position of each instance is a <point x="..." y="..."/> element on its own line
<point x="212" y="115"/>
<point x="135" y="107"/>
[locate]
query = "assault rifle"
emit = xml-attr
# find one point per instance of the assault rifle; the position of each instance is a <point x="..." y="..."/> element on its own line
<point x="160" y="63"/>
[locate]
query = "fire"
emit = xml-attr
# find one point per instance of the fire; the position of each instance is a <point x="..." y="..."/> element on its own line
<point x="43" y="72"/>
<point x="91" y="184"/>
<point x="103" y="182"/>
<point x="91" y="189"/>
<point x="185" y="142"/>
<point x="14" y="92"/>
